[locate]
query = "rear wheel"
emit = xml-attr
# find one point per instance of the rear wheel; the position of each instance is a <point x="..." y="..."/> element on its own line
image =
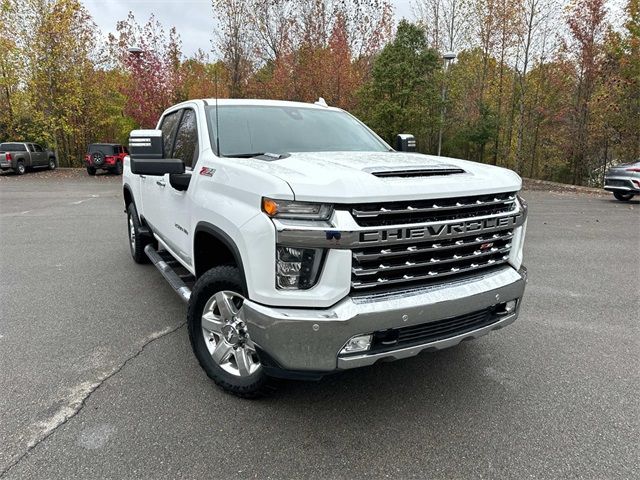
<point x="20" y="168"/>
<point x="137" y="241"/>
<point x="219" y="336"/>
<point x="91" y="170"/>
<point x="118" y="168"/>
<point x="623" y="197"/>
<point x="52" y="164"/>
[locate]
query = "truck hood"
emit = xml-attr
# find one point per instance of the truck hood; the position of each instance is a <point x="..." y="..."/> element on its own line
<point x="357" y="177"/>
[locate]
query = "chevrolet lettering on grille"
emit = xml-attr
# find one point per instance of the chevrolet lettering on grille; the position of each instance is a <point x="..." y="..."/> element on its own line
<point x="440" y="231"/>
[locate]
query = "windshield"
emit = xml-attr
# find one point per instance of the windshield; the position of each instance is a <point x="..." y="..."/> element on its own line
<point x="254" y="129"/>
<point x="104" y="149"/>
<point x="12" y="147"/>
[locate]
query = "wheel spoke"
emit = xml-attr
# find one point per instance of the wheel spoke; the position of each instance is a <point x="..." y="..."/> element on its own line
<point x="243" y="361"/>
<point x="225" y="304"/>
<point x="221" y="352"/>
<point x="211" y="323"/>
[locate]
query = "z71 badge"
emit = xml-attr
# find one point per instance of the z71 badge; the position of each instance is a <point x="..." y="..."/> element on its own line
<point x="207" y="172"/>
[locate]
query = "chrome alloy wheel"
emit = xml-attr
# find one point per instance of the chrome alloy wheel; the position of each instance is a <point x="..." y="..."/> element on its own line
<point x="226" y="337"/>
<point x="132" y="234"/>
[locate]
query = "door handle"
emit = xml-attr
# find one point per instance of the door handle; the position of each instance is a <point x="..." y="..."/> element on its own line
<point x="142" y="176"/>
<point x="161" y="183"/>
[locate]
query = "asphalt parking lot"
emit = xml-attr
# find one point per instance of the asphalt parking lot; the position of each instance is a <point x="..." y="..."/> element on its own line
<point x="97" y="379"/>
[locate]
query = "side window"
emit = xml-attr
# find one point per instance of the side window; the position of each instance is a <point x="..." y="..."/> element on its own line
<point x="37" y="147"/>
<point x="30" y="147"/>
<point x="168" y="127"/>
<point x="186" y="147"/>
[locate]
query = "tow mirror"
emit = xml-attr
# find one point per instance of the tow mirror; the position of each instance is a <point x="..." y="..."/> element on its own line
<point x="405" y="142"/>
<point x="146" y="154"/>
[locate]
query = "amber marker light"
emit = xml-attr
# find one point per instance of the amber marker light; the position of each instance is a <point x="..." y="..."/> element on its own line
<point x="270" y="207"/>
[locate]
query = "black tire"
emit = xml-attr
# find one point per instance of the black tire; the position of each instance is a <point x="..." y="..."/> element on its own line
<point x="140" y="240"/>
<point x="623" y="197"/>
<point x="117" y="170"/>
<point x="222" y="278"/>
<point x="91" y="171"/>
<point x="52" y="163"/>
<point x="20" y="168"/>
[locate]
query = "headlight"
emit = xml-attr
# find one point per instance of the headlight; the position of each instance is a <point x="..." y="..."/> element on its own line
<point x="299" y="210"/>
<point x="297" y="268"/>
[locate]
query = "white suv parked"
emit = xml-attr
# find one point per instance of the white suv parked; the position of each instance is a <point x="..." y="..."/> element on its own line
<point x="304" y="244"/>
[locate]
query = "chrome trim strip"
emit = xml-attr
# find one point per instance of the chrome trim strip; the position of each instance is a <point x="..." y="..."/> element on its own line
<point x="323" y="237"/>
<point x="408" y="265"/>
<point x="435" y="247"/>
<point x="436" y="208"/>
<point x="431" y="275"/>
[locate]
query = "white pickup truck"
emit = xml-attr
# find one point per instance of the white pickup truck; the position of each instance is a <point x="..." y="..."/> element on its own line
<point x="304" y="244"/>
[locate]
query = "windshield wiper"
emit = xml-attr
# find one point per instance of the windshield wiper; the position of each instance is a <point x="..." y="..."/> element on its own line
<point x="271" y="156"/>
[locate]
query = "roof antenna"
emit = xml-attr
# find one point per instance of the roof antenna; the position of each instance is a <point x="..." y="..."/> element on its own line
<point x="321" y="102"/>
<point x="217" y="120"/>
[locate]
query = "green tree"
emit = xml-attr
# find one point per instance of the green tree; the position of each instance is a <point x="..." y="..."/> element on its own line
<point x="403" y="92"/>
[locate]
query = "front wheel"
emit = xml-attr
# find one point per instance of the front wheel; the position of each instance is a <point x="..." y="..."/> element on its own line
<point x="219" y="335"/>
<point x="52" y="164"/>
<point x="623" y="197"/>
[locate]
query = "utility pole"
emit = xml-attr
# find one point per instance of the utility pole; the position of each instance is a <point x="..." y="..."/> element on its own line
<point x="448" y="57"/>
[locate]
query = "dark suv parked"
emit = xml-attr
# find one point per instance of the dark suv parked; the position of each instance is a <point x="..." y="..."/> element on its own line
<point x="105" y="156"/>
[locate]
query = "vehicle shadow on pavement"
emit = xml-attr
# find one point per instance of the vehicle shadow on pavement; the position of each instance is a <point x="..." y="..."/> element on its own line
<point x="434" y="377"/>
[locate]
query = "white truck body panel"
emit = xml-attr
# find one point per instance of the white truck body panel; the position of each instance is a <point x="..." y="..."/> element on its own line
<point x="227" y="193"/>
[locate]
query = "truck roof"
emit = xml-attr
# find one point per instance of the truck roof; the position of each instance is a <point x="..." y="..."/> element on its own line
<point x="257" y="102"/>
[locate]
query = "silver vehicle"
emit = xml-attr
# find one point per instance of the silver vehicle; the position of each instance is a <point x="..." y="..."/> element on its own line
<point x="623" y="180"/>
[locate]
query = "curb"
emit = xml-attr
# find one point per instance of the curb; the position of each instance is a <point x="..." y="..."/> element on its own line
<point x="533" y="184"/>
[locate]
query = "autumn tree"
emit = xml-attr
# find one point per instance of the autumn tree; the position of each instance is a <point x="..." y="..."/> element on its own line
<point x="587" y="25"/>
<point x="9" y="64"/>
<point x="152" y="59"/>
<point x="446" y="23"/>
<point x="235" y="41"/>
<point x="326" y="51"/>
<point x="63" y="81"/>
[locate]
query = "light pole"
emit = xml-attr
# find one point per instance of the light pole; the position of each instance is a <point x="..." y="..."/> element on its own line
<point x="448" y="57"/>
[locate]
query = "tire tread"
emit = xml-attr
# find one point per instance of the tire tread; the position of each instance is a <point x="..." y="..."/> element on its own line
<point x="224" y="277"/>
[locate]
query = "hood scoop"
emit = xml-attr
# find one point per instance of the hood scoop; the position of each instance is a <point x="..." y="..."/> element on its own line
<point x="413" y="172"/>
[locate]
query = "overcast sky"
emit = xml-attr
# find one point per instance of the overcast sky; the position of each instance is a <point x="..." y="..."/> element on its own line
<point x="192" y="18"/>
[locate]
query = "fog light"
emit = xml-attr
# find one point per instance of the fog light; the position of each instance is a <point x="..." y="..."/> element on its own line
<point x="507" y="308"/>
<point x="357" y="344"/>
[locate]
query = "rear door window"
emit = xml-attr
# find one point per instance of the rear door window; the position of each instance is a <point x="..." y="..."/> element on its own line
<point x="37" y="147"/>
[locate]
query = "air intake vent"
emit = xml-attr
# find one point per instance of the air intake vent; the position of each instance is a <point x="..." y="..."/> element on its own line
<point x="417" y="172"/>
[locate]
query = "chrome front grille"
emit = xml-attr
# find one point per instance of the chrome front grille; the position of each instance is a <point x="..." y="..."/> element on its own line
<point x="400" y="263"/>
<point x="422" y="211"/>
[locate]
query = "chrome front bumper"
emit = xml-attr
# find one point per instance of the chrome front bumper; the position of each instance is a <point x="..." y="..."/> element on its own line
<point x="298" y="339"/>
